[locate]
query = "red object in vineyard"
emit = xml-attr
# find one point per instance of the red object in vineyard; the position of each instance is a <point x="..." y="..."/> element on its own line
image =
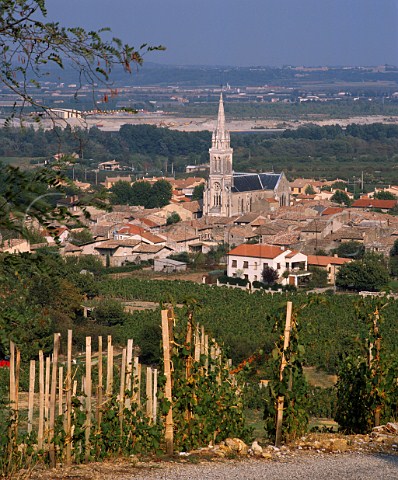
<point x="4" y="363"/>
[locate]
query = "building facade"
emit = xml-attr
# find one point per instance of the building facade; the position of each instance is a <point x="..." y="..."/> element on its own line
<point x="228" y="193"/>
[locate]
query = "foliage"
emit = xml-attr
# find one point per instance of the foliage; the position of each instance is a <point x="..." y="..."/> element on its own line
<point x="309" y="190"/>
<point x="367" y="391"/>
<point x="319" y="277"/>
<point x="269" y="275"/>
<point x="80" y="237"/>
<point x="384" y="195"/>
<point x="293" y="386"/>
<point x="173" y="218"/>
<point x="142" y="193"/>
<point x="109" y="312"/>
<point x="369" y="273"/>
<point x="244" y="321"/>
<point x="29" y="45"/>
<point x="341" y="197"/>
<point x="197" y="193"/>
<point x="199" y="387"/>
<point x="351" y="249"/>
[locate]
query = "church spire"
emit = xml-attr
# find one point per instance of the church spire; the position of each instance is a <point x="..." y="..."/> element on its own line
<point x="221" y="137"/>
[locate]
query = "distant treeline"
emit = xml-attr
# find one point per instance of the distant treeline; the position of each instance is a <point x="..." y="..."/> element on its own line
<point x="327" y="151"/>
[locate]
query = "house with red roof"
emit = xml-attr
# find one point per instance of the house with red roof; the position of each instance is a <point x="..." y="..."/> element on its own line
<point x="366" y="203"/>
<point x="249" y="260"/>
<point x="331" y="264"/>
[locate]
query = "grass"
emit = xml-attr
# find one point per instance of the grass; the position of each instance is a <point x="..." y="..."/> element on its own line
<point x="318" y="378"/>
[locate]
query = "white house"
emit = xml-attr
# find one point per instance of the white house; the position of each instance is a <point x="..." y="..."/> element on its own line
<point x="248" y="261"/>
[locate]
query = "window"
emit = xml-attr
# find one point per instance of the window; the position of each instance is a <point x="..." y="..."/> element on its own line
<point x="255" y="278"/>
<point x="255" y="265"/>
<point x="278" y="266"/>
<point x="247" y="277"/>
<point x="234" y="263"/>
<point x="265" y="265"/>
<point x="245" y="264"/>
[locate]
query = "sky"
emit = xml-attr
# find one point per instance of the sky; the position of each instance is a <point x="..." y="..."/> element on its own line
<point x="246" y="32"/>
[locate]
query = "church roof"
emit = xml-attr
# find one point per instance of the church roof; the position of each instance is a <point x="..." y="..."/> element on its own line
<point x="246" y="182"/>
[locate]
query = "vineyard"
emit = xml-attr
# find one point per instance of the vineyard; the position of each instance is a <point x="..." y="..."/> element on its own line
<point x="332" y="326"/>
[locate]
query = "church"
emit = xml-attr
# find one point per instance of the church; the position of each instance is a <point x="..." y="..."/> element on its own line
<point x="228" y="193"/>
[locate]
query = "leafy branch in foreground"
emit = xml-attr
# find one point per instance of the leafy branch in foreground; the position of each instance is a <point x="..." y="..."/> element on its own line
<point x="28" y="43"/>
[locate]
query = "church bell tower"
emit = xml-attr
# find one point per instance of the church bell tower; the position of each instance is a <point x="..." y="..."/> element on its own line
<point x="217" y="193"/>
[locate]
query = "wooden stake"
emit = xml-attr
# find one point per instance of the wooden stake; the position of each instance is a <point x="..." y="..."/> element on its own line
<point x="47" y="398"/>
<point x="149" y="399"/>
<point x="155" y="393"/>
<point x="40" y="434"/>
<point x="197" y="344"/>
<point x="168" y="393"/>
<point x="32" y="378"/>
<point x="53" y="399"/>
<point x="100" y="386"/>
<point x="109" y="373"/>
<point x="60" y="390"/>
<point x="129" y="371"/>
<point x="88" y="398"/>
<point x="68" y="420"/>
<point x="136" y="381"/>
<point x="280" y="402"/>
<point x="16" y="395"/>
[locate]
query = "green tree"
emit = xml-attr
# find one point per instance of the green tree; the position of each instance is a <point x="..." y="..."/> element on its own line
<point x="309" y="190"/>
<point x="352" y="249"/>
<point x="122" y="193"/>
<point x="81" y="237"/>
<point x="197" y="193"/>
<point x="173" y="218"/>
<point x="161" y="194"/>
<point x="140" y="193"/>
<point x="384" y="195"/>
<point x="370" y="274"/>
<point x="393" y="261"/>
<point x="341" y="197"/>
<point x="109" y="312"/>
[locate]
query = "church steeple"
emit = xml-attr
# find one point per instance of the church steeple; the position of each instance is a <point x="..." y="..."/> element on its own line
<point x="221" y="138"/>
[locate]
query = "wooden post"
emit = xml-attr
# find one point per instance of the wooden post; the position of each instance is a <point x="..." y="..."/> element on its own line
<point x="155" y="393"/>
<point x="121" y="390"/>
<point x="188" y="346"/>
<point x="129" y="371"/>
<point x="197" y="345"/>
<point x="68" y="420"/>
<point x="47" y="398"/>
<point x="202" y="340"/>
<point x="100" y="386"/>
<point x="137" y="381"/>
<point x="53" y="399"/>
<point x="32" y="378"/>
<point x="206" y="351"/>
<point x="168" y="393"/>
<point x="149" y="399"/>
<point x="60" y="390"/>
<point x="279" y="418"/>
<point x="109" y="373"/>
<point x="88" y="390"/>
<point x="40" y="433"/>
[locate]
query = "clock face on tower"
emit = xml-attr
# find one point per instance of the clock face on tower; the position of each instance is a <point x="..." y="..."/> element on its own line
<point x="217" y="186"/>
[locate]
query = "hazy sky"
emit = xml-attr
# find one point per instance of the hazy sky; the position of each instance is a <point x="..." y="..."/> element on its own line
<point x="247" y="32"/>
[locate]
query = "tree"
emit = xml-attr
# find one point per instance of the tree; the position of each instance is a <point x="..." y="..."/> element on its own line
<point x="161" y="194"/>
<point x="393" y="263"/>
<point x="309" y="190"/>
<point x="384" y="195"/>
<point x="197" y="193"/>
<point x="269" y="275"/>
<point x="341" y="197"/>
<point x="350" y="249"/>
<point x="173" y="218"/>
<point x="109" y="312"/>
<point x="121" y="193"/>
<point x="369" y="274"/>
<point x="81" y="237"/>
<point x="28" y="44"/>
